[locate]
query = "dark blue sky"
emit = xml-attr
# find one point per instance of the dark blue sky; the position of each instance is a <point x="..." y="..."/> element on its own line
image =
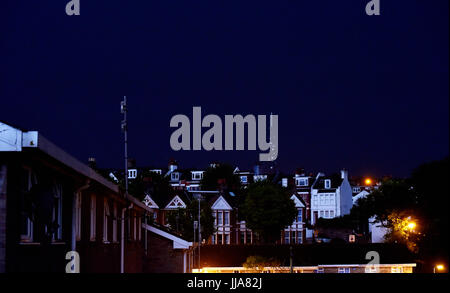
<point x="370" y="94"/>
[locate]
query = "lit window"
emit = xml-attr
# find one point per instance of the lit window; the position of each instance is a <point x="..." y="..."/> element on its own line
<point x="344" y="270"/>
<point x="396" y="269"/>
<point x="327" y="184"/>
<point x="244" y="179"/>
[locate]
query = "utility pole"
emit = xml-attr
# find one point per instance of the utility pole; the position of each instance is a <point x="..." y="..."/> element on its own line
<point x="193" y="251"/>
<point x="124" y="110"/>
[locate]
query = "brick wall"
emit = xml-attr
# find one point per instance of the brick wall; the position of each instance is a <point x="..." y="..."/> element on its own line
<point x="162" y="257"/>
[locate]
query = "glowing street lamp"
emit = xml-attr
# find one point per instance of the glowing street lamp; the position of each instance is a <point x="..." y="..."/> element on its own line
<point x="412" y="225"/>
<point x="368" y="181"/>
<point x="438" y="268"/>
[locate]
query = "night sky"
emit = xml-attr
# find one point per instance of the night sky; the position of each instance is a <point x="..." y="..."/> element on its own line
<point x="370" y="94"/>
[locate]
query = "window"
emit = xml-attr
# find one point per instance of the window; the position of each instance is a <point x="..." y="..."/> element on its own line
<point x="93" y="215"/>
<point x="227" y="218"/>
<point x="248" y="237"/>
<point x="327" y="184"/>
<point x="114" y="223"/>
<point x="215" y="218"/>
<point x="321" y="214"/>
<point x="299" y="237"/>
<point x="344" y="270"/>
<point x="327" y="214"/>
<point x="132" y="174"/>
<point x="134" y="226"/>
<point x="78" y="216"/>
<point x="139" y="227"/>
<point x="243" y="179"/>
<point x="299" y="215"/>
<point x="57" y="212"/>
<point x="197" y="175"/>
<point x="213" y="239"/>
<point x="174" y="176"/>
<point x="396" y="269"/>
<point x="26" y="234"/>
<point x="106" y="215"/>
<point x="219" y="219"/>
<point x="302" y="182"/>
<point x="371" y="269"/>
<point x="227" y="238"/>
<point x="331" y="214"/>
<point x="242" y="237"/>
<point x="219" y="238"/>
<point x="319" y="271"/>
<point x="287" y="237"/>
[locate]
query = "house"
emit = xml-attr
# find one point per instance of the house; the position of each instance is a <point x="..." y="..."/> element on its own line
<point x="331" y="196"/>
<point x="53" y="206"/>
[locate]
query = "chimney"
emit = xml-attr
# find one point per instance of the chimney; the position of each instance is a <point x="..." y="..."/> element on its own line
<point x="92" y="163"/>
<point x="344" y="174"/>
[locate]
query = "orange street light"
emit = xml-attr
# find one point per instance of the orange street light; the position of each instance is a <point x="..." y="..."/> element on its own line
<point x="412" y="225"/>
<point x="368" y="181"/>
<point x="438" y="268"/>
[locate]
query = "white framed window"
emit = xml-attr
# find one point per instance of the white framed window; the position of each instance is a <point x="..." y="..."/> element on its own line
<point x="174" y="176"/>
<point x="219" y="218"/>
<point x="331" y="214"/>
<point x="114" y="223"/>
<point x="93" y="217"/>
<point x="319" y="271"/>
<point x="197" y="175"/>
<point x="287" y="237"/>
<point x="302" y="181"/>
<point x="132" y="174"/>
<point x="321" y="214"/>
<point x="106" y="215"/>
<point x="215" y="218"/>
<point x="344" y="270"/>
<point x="299" y="237"/>
<point x="227" y="239"/>
<point x="327" y="183"/>
<point x="327" y="214"/>
<point x="299" y="215"/>
<point x="243" y="179"/>
<point x="226" y="218"/>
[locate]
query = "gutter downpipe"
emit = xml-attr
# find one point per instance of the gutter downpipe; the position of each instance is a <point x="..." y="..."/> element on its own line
<point x="74" y="214"/>
<point x="122" y="239"/>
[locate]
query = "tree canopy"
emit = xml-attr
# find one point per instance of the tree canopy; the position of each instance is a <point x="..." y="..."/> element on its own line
<point x="221" y="177"/>
<point x="267" y="209"/>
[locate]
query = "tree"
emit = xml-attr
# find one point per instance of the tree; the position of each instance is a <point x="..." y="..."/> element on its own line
<point x="181" y="221"/>
<point x="267" y="209"/>
<point x="221" y="177"/>
<point x="258" y="263"/>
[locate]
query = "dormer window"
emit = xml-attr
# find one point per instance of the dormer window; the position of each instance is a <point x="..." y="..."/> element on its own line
<point x="327" y="184"/>
<point x="174" y="176"/>
<point x="172" y="168"/>
<point x="157" y="171"/>
<point x="243" y="179"/>
<point x="132" y="174"/>
<point x="197" y="175"/>
<point x="302" y="181"/>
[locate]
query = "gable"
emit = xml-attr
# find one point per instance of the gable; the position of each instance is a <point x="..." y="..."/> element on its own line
<point x="298" y="203"/>
<point x="176" y="203"/>
<point x="221" y="204"/>
<point x="148" y="201"/>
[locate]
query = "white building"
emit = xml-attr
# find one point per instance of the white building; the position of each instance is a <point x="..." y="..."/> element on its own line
<point x="331" y="196"/>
